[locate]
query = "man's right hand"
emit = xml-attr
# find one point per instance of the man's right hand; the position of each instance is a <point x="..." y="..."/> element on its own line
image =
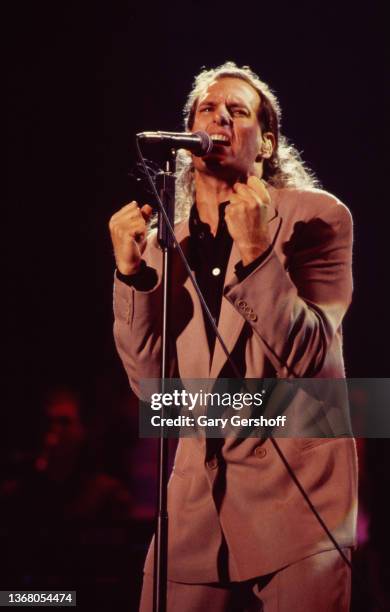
<point x="128" y="228"/>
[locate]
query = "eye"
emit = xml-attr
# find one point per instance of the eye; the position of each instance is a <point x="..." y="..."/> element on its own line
<point x="239" y="112"/>
<point x="205" y="109"/>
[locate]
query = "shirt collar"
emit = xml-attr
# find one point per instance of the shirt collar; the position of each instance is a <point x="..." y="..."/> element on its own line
<point x="199" y="229"/>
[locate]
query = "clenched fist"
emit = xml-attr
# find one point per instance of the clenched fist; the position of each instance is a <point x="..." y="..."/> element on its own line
<point x="247" y="218"/>
<point x="128" y="229"/>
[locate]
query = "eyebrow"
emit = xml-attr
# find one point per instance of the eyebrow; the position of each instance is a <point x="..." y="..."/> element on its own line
<point x="233" y="103"/>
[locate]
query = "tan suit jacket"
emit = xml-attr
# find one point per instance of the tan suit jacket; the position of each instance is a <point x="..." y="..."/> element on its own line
<point x="291" y="327"/>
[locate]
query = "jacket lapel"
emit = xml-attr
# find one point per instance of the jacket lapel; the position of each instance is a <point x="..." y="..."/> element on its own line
<point x="230" y="321"/>
<point x="192" y="344"/>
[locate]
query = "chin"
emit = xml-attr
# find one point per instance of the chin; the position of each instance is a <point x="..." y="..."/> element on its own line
<point x="220" y="166"/>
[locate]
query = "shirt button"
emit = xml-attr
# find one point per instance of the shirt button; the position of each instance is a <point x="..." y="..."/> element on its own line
<point x="260" y="452"/>
<point x="216" y="271"/>
<point x="212" y="464"/>
<point x="201" y="235"/>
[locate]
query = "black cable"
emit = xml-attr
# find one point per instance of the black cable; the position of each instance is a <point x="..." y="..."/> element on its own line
<point x="231" y="361"/>
<point x="307" y="499"/>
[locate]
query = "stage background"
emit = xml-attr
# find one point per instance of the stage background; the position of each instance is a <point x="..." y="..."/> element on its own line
<point x="81" y="79"/>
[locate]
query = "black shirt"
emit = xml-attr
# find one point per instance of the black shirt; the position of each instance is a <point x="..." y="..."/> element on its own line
<point x="209" y="256"/>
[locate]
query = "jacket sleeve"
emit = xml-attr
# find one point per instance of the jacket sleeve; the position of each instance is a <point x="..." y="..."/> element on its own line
<point x="138" y="321"/>
<point x="296" y="311"/>
<point x="137" y="331"/>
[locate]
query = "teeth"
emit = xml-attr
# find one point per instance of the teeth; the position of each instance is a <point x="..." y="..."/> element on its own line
<point x="219" y="137"/>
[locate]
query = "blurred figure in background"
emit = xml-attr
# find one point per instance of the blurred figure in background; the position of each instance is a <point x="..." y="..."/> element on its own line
<point x="64" y="481"/>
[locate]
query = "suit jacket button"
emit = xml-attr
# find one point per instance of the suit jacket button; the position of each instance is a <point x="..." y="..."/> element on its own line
<point x="252" y="316"/>
<point x="260" y="452"/>
<point x="242" y="304"/>
<point x="212" y="464"/>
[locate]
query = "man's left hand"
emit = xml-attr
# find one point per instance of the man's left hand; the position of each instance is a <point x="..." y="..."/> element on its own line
<point x="247" y="218"/>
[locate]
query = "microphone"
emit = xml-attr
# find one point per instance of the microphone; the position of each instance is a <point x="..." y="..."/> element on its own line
<point x="199" y="143"/>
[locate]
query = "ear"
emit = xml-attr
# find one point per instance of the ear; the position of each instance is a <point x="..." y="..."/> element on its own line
<point x="268" y="145"/>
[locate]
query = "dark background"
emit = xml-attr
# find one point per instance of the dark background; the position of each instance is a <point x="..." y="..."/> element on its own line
<point x="81" y="80"/>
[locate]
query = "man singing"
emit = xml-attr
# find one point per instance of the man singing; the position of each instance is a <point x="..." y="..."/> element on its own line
<point x="272" y="255"/>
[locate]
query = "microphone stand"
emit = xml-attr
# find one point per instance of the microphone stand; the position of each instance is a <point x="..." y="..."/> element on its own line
<point x="166" y="187"/>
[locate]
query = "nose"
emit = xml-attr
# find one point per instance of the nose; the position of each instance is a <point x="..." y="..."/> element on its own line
<point x="221" y="116"/>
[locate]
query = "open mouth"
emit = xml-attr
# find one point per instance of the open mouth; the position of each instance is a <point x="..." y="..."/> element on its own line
<point x="220" y="139"/>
